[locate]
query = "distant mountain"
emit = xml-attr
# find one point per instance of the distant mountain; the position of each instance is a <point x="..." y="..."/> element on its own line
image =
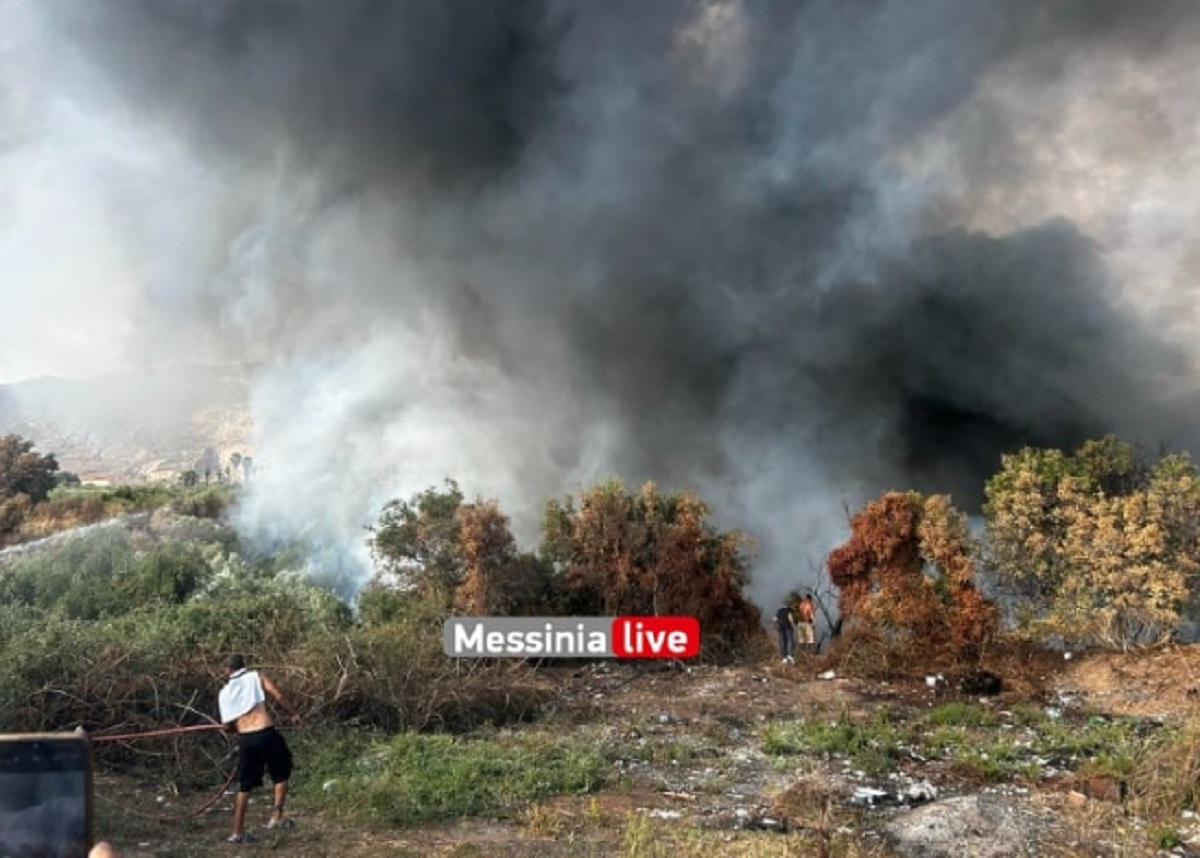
<point x="133" y="426"/>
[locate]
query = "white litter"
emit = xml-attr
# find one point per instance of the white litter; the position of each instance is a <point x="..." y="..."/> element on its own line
<point x="921" y="791"/>
<point x="867" y="795"/>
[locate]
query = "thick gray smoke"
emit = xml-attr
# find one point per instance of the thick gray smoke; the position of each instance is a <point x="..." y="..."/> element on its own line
<point x="785" y="254"/>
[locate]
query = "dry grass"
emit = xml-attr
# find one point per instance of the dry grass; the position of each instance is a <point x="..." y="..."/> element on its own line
<point x="64" y="514"/>
<point x="646" y="837"/>
<point x="869" y="654"/>
<point x="1165" y="782"/>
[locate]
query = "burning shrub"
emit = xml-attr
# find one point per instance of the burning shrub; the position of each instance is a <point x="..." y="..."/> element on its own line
<point x="651" y="553"/>
<point x="499" y="580"/>
<point x="907" y="570"/>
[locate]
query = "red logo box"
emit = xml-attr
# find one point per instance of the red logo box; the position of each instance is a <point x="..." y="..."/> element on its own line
<point x="656" y="637"/>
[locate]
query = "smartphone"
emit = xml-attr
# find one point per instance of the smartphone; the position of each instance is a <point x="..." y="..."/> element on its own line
<point x="45" y="795"/>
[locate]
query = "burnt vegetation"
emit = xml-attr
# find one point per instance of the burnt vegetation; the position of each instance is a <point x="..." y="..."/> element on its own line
<point x="908" y="573"/>
<point x="120" y="626"/>
<point x="1099" y="546"/>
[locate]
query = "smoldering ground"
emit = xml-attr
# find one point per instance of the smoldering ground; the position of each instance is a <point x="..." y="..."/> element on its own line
<point x="785" y="254"/>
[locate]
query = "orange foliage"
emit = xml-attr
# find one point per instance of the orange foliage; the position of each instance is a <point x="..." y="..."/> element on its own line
<point x="498" y="580"/>
<point x="907" y="569"/>
<point x="650" y="553"/>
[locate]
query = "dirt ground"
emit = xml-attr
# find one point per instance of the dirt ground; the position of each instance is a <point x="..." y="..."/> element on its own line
<point x="758" y="807"/>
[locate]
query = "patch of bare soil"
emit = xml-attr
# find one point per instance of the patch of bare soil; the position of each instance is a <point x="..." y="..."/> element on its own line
<point x="687" y="744"/>
<point x="1163" y="684"/>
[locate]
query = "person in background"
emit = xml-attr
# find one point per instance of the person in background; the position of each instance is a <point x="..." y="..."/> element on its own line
<point x="806" y="624"/>
<point x="785" y="624"/>
<point x="260" y="746"/>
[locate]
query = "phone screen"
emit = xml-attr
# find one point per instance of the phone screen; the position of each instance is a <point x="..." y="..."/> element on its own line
<point x="45" y="796"/>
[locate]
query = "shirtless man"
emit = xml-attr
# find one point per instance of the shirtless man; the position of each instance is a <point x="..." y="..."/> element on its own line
<point x="260" y="745"/>
<point x="806" y="624"/>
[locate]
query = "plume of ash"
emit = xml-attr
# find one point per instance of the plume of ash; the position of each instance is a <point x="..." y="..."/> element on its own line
<point x="783" y="254"/>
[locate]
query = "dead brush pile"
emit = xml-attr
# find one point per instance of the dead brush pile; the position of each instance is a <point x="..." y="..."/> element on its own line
<point x="378" y="679"/>
<point x="373" y="682"/>
<point x="1012" y="665"/>
<point x="387" y="682"/>
<point x="871" y="654"/>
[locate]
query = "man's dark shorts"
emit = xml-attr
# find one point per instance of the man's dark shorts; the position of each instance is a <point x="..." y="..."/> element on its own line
<point x="259" y="751"/>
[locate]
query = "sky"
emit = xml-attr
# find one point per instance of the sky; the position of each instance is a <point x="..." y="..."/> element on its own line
<point x="786" y="255"/>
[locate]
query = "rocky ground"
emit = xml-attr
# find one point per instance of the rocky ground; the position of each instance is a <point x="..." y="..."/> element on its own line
<point x="693" y="775"/>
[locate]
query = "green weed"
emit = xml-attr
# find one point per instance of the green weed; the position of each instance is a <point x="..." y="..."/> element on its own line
<point x="412" y="779"/>
<point x="873" y="746"/>
<point x="957" y="713"/>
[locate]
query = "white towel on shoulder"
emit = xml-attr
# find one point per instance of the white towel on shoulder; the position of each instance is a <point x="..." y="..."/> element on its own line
<point x="242" y="693"/>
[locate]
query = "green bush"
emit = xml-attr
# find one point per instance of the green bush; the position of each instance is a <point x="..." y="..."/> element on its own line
<point x="380" y="603"/>
<point x="77" y="579"/>
<point x="168" y="574"/>
<point x="99" y="574"/>
<point x="260" y="616"/>
<point x="204" y="501"/>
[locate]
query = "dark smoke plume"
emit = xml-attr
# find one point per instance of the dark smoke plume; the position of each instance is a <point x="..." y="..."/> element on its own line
<point x="786" y="254"/>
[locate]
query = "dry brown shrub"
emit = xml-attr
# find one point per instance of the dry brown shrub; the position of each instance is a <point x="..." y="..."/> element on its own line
<point x="13" y="512"/>
<point x="867" y="653"/>
<point x="387" y="679"/>
<point x="810" y="806"/>
<point x="59" y="514"/>
<point x="498" y="580"/>
<point x="907" y="571"/>
<point x="654" y="554"/>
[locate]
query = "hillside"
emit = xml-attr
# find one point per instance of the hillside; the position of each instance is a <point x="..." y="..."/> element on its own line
<point x="129" y="427"/>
